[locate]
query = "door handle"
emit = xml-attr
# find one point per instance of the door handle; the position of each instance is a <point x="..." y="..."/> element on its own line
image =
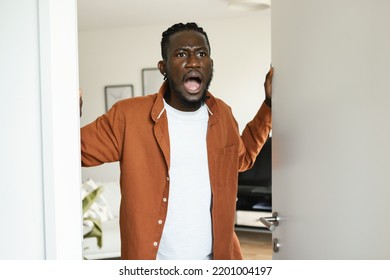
<point x="271" y="222"/>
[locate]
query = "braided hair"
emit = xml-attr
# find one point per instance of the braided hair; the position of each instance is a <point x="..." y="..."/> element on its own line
<point x="177" y="28"/>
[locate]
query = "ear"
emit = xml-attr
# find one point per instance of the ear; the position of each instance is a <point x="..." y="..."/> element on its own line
<point x="161" y="67"/>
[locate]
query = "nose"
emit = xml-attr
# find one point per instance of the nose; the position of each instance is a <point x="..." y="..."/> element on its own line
<point x="193" y="61"/>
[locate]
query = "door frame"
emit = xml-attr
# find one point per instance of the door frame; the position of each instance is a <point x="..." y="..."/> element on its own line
<point x="58" y="50"/>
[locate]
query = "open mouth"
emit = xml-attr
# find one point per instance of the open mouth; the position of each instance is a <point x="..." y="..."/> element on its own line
<point x="192" y="82"/>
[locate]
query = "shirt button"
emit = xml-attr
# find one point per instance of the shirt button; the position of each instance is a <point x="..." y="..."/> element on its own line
<point x="155" y="244"/>
<point x="164" y="199"/>
<point x="159" y="222"/>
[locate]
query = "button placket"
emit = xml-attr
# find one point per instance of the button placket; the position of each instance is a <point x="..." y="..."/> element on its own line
<point x="164" y="210"/>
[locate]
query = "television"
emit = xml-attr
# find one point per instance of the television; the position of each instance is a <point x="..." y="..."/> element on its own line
<point x="255" y="184"/>
<point x="261" y="172"/>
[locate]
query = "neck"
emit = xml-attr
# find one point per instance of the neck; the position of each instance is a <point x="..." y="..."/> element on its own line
<point x="179" y="103"/>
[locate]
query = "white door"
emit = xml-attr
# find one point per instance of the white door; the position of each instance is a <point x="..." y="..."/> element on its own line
<point x="331" y="128"/>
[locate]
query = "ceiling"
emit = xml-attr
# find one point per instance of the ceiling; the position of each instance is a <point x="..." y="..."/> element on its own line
<point x="100" y="14"/>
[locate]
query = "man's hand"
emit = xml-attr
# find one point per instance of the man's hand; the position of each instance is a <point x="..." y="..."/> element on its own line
<point x="81" y="101"/>
<point x="268" y="86"/>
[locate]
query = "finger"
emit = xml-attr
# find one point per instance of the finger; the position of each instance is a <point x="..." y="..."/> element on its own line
<point x="269" y="75"/>
<point x="271" y="72"/>
<point x="81" y="101"/>
<point x="268" y="78"/>
<point x="268" y="83"/>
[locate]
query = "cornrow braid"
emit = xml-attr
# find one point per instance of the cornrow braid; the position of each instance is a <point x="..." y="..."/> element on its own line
<point x="177" y="28"/>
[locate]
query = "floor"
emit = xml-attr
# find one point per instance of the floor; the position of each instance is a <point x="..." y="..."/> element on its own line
<point x="255" y="245"/>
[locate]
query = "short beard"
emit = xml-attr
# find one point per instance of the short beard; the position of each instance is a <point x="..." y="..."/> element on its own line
<point x="191" y="105"/>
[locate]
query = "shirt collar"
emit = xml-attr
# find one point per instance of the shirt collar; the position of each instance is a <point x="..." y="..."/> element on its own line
<point x="159" y="109"/>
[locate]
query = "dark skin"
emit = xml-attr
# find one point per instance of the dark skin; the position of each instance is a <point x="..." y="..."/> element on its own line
<point x="189" y="69"/>
<point x="268" y="86"/>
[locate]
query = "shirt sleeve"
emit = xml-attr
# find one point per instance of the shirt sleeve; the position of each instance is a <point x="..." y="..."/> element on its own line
<point x="254" y="136"/>
<point x="101" y="140"/>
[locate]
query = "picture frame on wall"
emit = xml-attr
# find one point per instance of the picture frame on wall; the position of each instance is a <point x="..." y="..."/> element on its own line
<point x="151" y="80"/>
<point x="114" y="93"/>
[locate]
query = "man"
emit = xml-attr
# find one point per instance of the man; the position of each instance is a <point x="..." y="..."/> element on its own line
<point x="180" y="152"/>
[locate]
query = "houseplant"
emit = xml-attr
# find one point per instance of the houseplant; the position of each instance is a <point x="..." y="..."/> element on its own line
<point x="92" y="223"/>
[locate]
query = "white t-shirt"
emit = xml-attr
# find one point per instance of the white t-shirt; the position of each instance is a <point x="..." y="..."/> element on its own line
<point x="187" y="233"/>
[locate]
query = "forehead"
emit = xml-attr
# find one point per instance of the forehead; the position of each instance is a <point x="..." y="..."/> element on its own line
<point x="187" y="39"/>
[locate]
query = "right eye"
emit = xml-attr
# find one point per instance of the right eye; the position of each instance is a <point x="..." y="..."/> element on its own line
<point x="181" y="54"/>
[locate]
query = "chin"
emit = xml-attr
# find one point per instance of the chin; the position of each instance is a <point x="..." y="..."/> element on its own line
<point x="192" y="100"/>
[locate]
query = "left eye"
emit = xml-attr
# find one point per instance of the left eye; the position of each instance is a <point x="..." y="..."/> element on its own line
<point x="201" y="54"/>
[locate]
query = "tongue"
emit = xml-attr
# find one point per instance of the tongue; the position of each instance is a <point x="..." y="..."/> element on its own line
<point x="192" y="85"/>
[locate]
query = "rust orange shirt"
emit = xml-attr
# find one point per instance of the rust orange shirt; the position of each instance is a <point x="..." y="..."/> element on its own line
<point x="135" y="133"/>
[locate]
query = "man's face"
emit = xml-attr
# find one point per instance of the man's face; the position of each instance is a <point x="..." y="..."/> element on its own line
<point x="189" y="69"/>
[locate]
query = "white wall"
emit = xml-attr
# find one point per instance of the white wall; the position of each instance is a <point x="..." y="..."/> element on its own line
<point x="240" y="48"/>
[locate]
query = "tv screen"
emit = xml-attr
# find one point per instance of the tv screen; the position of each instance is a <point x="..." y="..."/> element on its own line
<point x="261" y="172"/>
